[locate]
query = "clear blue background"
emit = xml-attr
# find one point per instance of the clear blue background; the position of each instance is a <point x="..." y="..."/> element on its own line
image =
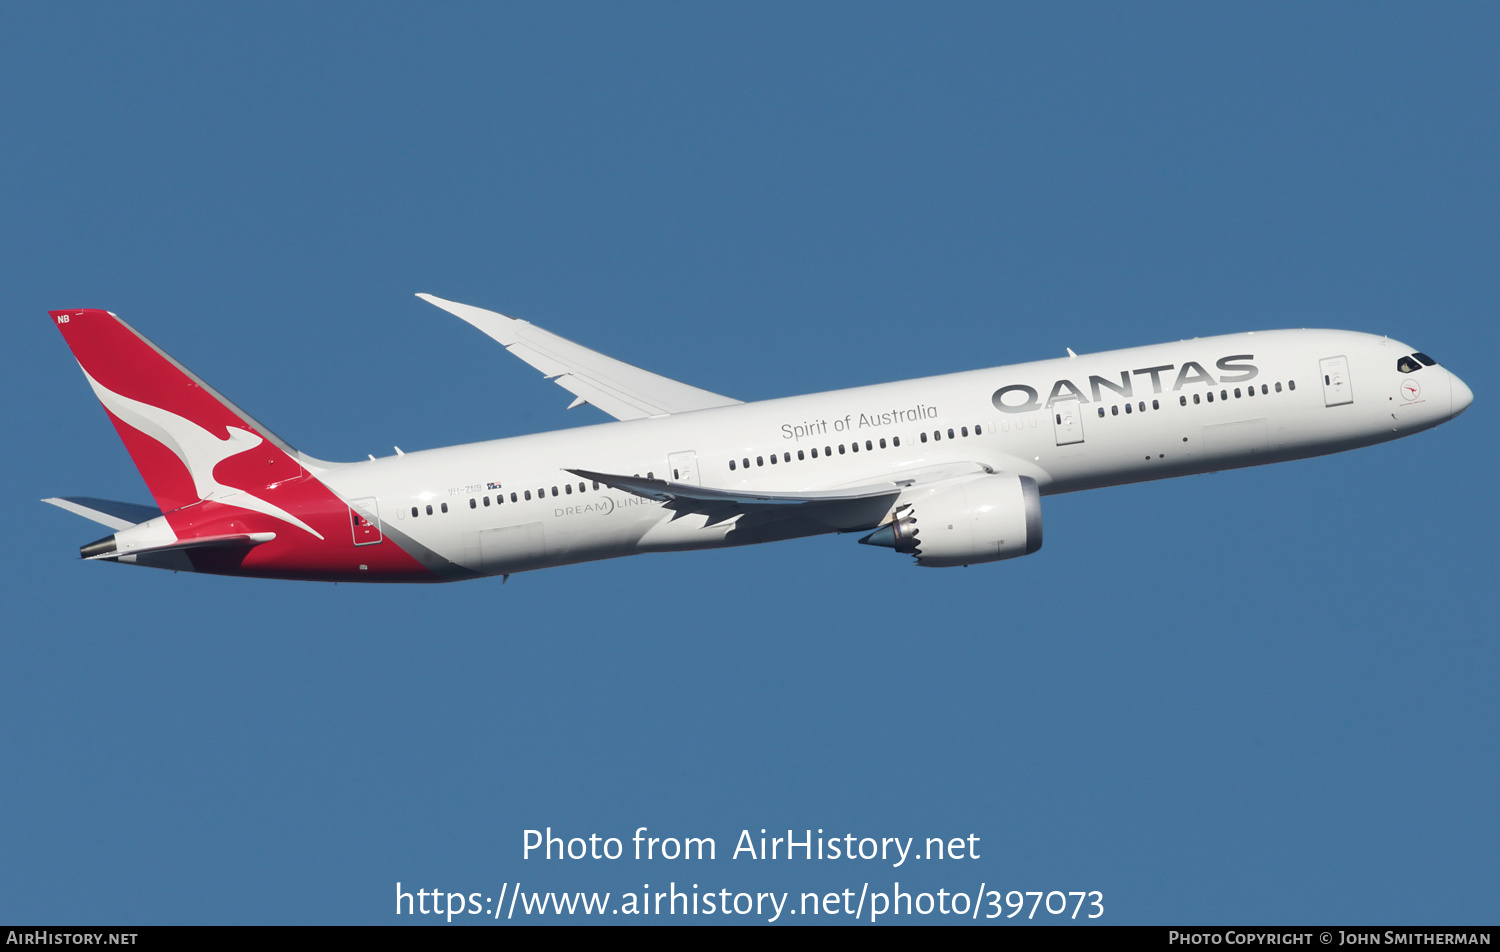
<point x="1265" y="696"/>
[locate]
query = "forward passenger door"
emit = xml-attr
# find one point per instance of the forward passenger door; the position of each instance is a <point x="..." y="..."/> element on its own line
<point x="1336" y="389"/>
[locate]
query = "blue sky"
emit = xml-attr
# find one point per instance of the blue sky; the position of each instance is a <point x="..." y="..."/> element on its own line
<point x="1265" y="696"/>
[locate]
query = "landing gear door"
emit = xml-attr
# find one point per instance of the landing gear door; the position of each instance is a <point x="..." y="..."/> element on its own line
<point x="364" y="521"/>
<point x="1336" y="389"/>
<point x="1067" y="422"/>
<point x="683" y="468"/>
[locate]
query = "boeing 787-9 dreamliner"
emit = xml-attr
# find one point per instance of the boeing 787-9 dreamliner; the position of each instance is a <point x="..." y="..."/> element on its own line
<point x="950" y="469"/>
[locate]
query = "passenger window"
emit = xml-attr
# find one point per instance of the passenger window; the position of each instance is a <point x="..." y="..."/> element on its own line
<point x="528" y="495"/>
<point x="1196" y="400"/>
<point x="1101" y="413"/>
<point x="746" y="462"/>
<point x="841" y="449"/>
<point x="1291" y="385"/>
<point x="445" y="507"/>
<point x="582" y="487"/>
<point x="814" y="452"/>
<point x="1264" y="390"/>
<point x="895" y="441"/>
<point x="1127" y="408"/>
<point x="1236" y="393"/>
<point x="1278" y="386"/>
<point x="429" y="509"/>
<point x="828" y="451"/>
<point x="854" y="447"/>
<point x="487" y="500"/>
<point x="473" y="503"/>
<point x="882" y="442"/>
<point x="800" y="456"/>
<point x="937" y="434"/>
<point x="786" y="457"/>
<point x="414" y="512"/>
<point x="977" y="430"/>
<point x="1182" y="400"/>
<point x="1223" y="394"/>
<point x="1154" y="405"/>
<point x="1114" y="411"/>
<point x="760" y="461"/>
<point x="1210" y="396"/>
<point x="924" y="436"/>
<point x="773" y="459"/>
<point x="568" y="488"/>
<point x="869" y="445"/>
<point x="731" y="466"/>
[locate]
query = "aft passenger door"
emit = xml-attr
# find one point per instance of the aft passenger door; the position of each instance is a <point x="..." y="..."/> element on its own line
<point x="1336" y="389"/>
<point x="1067" y="422"/>
<point x="364" y="520"/>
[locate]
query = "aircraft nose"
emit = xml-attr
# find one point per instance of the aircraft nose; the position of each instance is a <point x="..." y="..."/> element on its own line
<point x="1462" y="395"/>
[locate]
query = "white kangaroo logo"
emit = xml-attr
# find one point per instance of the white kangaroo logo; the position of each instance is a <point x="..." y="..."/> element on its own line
<point x="199" y="450"/>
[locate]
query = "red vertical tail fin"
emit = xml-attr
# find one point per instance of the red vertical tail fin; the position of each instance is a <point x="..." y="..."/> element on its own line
<point x="235" y="499"/>
<point x="188" y="441"/>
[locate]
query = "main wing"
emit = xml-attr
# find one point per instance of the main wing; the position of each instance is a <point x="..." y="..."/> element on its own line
<point x="849" y="504"/>
<point x="623" y="391"/>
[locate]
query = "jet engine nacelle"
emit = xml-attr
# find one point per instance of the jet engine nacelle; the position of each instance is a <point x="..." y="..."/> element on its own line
<point x="984" y="519"/>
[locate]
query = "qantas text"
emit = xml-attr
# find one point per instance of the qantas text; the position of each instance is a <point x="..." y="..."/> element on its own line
<point x="1021" y="398"/>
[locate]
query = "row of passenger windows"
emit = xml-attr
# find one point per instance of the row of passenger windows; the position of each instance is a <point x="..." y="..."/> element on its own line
<point x="524" y="495"/>
<point x="1182" y="399"/>
<point x="1249" y="392"/>
<point x="1129" y="408"/>
<point x="869" y="446"/>
<point x="937" y="435"/>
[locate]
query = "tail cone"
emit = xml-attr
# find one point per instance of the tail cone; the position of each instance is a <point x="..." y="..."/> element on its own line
<point x="98" y="549"/>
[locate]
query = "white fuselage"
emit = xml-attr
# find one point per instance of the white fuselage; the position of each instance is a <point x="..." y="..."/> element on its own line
<point x="512" y="504"/>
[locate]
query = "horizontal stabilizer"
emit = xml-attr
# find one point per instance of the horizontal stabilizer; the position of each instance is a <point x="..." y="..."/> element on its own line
<point x="624" y="391"/>
<point x="105" y="548"/>
<point x="106" y="512"/>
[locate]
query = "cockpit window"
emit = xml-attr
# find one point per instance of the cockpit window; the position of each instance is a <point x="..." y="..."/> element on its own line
<point x="1425" y="359"/>
<point x="1407" y="365"/>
